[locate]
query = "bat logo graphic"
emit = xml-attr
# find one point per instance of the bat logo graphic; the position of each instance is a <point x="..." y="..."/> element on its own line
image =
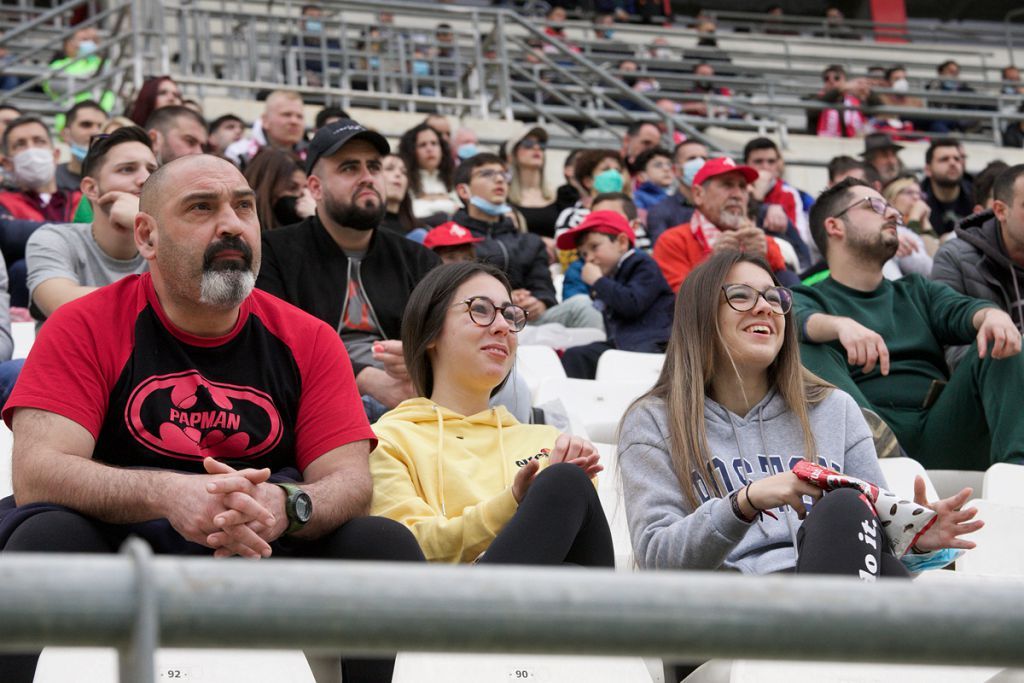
<point x="184" y="415"/>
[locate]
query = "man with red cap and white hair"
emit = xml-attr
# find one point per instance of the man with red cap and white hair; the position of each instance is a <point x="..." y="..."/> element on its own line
<point x="452" y="242"/>
<point x="720" y="222"/>
<point x="627" y="287"/>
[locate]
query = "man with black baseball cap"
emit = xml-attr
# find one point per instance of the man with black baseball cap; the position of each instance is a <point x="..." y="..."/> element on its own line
<point x="339" y="267"/>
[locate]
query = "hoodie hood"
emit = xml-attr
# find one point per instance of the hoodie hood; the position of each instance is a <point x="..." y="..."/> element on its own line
<point x="448" y="476"/>
<point x="420" y="410"/>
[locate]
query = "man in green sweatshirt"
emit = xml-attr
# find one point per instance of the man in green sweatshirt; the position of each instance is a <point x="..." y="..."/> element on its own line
<point x="882" y="341"/>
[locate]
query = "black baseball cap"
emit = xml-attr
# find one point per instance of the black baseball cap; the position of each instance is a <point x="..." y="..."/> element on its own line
<point x="335" y="135"/>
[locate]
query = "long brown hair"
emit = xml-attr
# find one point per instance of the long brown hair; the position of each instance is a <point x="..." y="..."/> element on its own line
<point x="691" y="362"/>
<point x="269" y="174"/>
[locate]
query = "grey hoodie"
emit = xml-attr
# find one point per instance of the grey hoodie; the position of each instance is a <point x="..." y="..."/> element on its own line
<point x="666" y="531"/>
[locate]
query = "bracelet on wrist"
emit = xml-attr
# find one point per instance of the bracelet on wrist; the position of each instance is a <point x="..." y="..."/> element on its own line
<point x="736" y="510"/>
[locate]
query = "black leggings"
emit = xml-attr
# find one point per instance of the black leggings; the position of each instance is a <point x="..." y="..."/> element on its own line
<point x="363" y="538"/>
<point x="841" y="535"/>
<point x="559" y="521"/>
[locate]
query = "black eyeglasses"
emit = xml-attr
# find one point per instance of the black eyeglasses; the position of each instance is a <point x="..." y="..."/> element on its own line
<point x="879" y="206"/>
<point x="743" y="298"/>
<point x="482" y="311"/>
<point x="530" y="143"/>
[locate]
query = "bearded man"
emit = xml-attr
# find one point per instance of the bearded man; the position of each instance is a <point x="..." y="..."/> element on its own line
<point x="339" y="267"/>
<point x="882" y="341"/>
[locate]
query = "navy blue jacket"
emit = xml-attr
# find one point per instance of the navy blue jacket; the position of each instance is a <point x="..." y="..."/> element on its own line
<point x="637" y="305"/>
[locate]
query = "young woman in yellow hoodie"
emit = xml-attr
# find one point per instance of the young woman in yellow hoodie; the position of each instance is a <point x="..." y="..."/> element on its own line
<point x="470" y="481"/>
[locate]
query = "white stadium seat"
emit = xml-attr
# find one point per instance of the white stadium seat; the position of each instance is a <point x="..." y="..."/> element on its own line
<point x="1000" y="549"/>
<point x="899" y="475"/>
<point x="413" y="667"/>
<point x="536" y="363"/>
<point x="629" y="366"/>
<point x="1003" y="483"/>
<point x="597" y="405"/>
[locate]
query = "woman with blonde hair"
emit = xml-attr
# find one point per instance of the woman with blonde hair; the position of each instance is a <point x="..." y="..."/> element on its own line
<point x="528" y="192"/>
<point x="905" y="194"/>
<point x="706" y="456"/>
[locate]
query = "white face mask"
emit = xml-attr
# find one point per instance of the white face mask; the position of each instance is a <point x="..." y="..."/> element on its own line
<point x="34" y="167"/>
<point x="901" y="85"/>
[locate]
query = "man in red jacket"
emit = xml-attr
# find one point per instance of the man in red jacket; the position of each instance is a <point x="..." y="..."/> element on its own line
<point x="720" y="222"/>
<point x="32" y="161"/>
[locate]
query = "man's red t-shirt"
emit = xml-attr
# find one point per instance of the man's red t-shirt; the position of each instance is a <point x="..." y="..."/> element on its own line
<point x="276" y="391"/>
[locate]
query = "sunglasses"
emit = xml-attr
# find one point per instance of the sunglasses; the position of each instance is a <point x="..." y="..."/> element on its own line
<point x="530" y="143"/>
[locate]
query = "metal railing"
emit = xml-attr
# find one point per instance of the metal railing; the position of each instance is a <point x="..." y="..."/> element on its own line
<point x="137" y="603"/>
<point x="112" y="50"/>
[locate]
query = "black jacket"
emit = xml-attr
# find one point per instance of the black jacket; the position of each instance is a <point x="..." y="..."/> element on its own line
<point x="637" y="305"/>
<point x="945" y="217"/>
<point x="303" y="265"/>
<point x="977" y="265"/>
<point x="522" y="256"/>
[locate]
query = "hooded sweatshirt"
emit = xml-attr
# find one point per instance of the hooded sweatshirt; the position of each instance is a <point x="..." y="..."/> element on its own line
<point x="668" y="533"/>
<point x="456" y="504"/>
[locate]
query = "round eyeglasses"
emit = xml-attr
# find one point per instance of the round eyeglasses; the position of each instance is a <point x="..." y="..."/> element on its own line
<point x="482" y="311"/>
<point x="743" y="298"/>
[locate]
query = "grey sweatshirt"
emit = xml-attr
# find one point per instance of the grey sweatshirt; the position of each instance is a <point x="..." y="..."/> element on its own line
<point x="666" y="531"/>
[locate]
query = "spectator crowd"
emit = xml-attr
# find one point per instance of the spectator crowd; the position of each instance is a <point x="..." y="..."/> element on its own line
<point x="267" y="339"/>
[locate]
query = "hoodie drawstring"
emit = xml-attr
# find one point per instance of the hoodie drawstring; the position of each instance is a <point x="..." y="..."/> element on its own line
<point x="440" y="459"/>
<point x="785" y="508"/>
<point x="501" y="449"/>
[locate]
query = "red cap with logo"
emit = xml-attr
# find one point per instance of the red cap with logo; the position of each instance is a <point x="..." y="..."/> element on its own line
<point x="721" y="166"/>
<point x="607" y="222"/>
<point x="449" y="234"/>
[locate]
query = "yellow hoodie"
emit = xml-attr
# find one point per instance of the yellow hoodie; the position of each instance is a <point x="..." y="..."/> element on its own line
<point x="456" y="504"/>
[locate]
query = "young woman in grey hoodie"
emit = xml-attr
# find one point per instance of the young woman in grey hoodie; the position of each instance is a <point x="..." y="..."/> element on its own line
<point x="706" y="456"/>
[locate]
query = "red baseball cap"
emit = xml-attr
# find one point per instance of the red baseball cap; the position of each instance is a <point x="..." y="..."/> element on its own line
<point x="607" y="222"/>
<point x="720" y="166"/>
<point x="449" y="234"/>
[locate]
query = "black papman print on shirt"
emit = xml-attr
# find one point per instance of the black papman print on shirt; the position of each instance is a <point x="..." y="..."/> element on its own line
<point x="184" y="415"/>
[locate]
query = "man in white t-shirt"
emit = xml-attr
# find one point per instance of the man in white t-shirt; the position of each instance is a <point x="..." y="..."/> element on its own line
<point x="69" y="260"/>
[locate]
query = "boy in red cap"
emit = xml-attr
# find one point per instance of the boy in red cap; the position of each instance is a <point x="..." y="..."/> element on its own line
<point x="720" y="222"/>
<point x="627" y="287"/>
<point x="452" y="242"/>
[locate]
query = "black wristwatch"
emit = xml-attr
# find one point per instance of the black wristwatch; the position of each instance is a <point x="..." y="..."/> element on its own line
<point x="298" y="505"/>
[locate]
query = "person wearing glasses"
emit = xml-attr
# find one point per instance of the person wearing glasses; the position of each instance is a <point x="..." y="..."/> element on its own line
<point x="882" y="341"/>
<point x="468" y="480"/>
<point x="69" y="260"/>
<point x="706" y="455"/>
<point x="482" y="183"/>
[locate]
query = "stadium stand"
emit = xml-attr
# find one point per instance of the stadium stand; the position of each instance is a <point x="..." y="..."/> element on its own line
<point x="499" y="71"/>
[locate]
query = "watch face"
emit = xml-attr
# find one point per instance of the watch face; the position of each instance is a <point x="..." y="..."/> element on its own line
<point x="303" y="507"/>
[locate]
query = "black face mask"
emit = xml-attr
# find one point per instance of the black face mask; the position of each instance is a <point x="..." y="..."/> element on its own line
<point x="284" y="211"/>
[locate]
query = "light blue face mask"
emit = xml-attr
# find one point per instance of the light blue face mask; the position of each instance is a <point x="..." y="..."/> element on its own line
<point x="79" y="152"/>
<point x="490" y="208"/>
<point x="467" y="150"/>
<point x="87" y="47"/>
<point x="690" y="170"/>
<point x="314" y="26"/>
<point x="421" y="68"/>
<point x="609" y="181"/>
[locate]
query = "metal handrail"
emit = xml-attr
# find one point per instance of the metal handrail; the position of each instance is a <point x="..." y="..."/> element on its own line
<point x="362" y="608"/>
